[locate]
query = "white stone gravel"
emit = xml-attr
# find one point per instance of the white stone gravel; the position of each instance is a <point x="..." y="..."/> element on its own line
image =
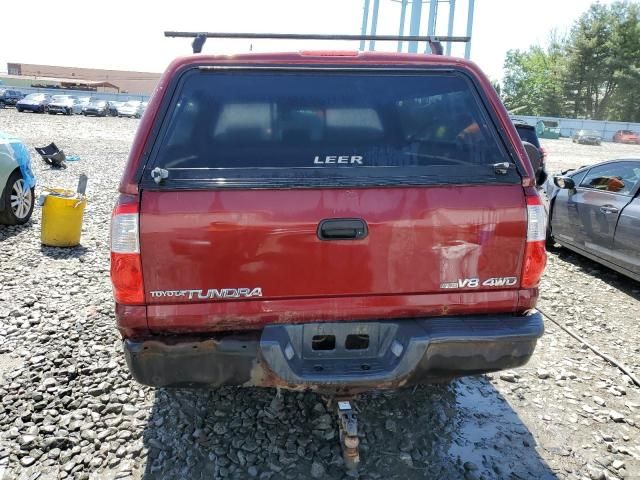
<point x="68" y="408"/>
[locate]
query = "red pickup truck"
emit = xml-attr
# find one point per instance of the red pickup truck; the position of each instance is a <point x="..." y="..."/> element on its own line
<point x="331" y="221"/>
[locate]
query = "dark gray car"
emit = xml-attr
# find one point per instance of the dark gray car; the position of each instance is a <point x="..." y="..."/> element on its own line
<point x="595" y="211"/>
<point x="588" y="137"/>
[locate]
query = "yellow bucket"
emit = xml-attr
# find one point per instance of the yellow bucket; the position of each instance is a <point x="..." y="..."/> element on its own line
<point x="62" y="218"/>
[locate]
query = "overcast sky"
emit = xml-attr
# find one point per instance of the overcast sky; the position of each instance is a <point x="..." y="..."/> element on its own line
<point x="128" y="34"/>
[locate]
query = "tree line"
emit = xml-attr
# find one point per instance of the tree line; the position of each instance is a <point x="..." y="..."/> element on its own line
<point x="593" y="72"/>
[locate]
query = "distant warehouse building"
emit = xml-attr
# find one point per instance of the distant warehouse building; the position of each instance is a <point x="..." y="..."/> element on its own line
<point x="92" y="79"/>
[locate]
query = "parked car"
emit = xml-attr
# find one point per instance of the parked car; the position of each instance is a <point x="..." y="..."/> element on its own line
<point x="80" y="105"/>
<point x="34" y="102"/>
<point x="96" y="108"/>
<point x="61" y="104"/>
<point x="548" y="129"/>
<point x="527" y="133"/>
<point x="132" y="109"/>
<point x="588" y="137"/>
<point x="271" y="226"/>
<point x="17" y="182"/>
<point x="595" y="211"/>
<point x="9" y="97"/>
<point x="626" y="136"/>
<point x="113" y="107"/>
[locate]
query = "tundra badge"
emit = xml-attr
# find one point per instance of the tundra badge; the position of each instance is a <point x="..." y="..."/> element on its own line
<point x="210" y="294"/>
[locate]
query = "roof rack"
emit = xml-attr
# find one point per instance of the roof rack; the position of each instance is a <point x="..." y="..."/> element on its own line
<point x="200" y="37"/>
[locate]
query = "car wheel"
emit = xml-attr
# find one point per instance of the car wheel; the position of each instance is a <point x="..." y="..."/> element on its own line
<point x="19" y="109"/>
<point x="18" y="201"/>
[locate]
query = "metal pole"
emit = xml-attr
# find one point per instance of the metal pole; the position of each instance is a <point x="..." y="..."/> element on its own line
<point x="452" y="9"/>
<point x="414" y="28"/>
<point x="467" y="48"/>
<point x="365" y="20"/>
<point x="431" y="23"/>
<point x="374" y="24"/>
<point x="403" y="12"/>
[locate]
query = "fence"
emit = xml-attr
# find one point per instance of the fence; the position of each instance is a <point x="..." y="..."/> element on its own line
<point x="569" y="126"/>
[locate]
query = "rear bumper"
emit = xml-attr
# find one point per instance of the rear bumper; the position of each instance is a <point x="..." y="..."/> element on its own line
<point x="401" y="352"/>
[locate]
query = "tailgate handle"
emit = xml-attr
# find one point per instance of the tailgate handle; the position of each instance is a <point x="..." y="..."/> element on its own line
<point x="342" y="229"/>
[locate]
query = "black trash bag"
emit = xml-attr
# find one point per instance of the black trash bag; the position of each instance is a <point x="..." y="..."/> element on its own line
<point x="52" y="156"/>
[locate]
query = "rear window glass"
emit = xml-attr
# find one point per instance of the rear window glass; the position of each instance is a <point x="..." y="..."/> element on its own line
<point x="322" y="124"/>
<point x="528" y="134"/>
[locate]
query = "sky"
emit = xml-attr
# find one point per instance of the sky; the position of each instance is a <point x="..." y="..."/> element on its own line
<point x="128" y="34"/>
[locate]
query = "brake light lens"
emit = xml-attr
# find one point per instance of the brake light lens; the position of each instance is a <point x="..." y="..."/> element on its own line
<point x="126" y="266"/>
<point x="535" y="255"/>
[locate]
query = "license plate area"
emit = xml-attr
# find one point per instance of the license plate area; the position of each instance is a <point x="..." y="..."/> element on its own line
<point x="340" y="341"/>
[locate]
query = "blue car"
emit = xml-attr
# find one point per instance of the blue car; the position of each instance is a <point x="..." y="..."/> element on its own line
<point x="34" y="102"/>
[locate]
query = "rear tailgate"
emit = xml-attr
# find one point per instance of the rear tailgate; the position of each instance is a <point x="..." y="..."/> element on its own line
<point x="298" y="196"/>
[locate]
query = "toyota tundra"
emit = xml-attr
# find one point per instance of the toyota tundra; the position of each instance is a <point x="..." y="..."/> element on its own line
<point x="330" y="221"/>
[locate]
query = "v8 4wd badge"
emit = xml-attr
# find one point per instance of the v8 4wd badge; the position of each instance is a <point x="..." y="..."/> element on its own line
<point x="475" y="282"/>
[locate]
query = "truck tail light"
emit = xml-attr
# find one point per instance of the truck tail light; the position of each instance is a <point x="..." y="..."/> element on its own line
<point x="535" y="255"/>
<point x="126" y="267"/>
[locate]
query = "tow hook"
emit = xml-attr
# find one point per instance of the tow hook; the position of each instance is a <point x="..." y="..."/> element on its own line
<point x="349" y="441"/>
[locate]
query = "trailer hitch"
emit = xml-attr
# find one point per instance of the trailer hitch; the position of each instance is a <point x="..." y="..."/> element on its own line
<point x="349" y="441"/>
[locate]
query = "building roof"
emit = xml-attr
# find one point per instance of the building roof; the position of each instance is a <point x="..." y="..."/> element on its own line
<point x="61" y="81"/>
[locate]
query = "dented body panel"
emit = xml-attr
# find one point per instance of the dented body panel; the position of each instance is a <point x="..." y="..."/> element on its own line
<point x="419" y="238"/>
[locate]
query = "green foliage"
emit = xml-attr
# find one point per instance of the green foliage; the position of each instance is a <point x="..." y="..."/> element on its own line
<point x="594" y="73"/>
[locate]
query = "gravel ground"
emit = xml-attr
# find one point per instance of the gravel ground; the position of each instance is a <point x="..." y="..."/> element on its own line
<point x="68" y="408"/>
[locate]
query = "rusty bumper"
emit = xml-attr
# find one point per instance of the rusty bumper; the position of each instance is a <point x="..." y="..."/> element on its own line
<point x="339" y="357"/>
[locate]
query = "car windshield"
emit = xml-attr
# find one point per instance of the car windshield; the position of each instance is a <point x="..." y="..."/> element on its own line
<point x="593" y="133"/>
<point x="60" y="98"/>
<point x="34" y="96"/>
<point x="99" y="103"/>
